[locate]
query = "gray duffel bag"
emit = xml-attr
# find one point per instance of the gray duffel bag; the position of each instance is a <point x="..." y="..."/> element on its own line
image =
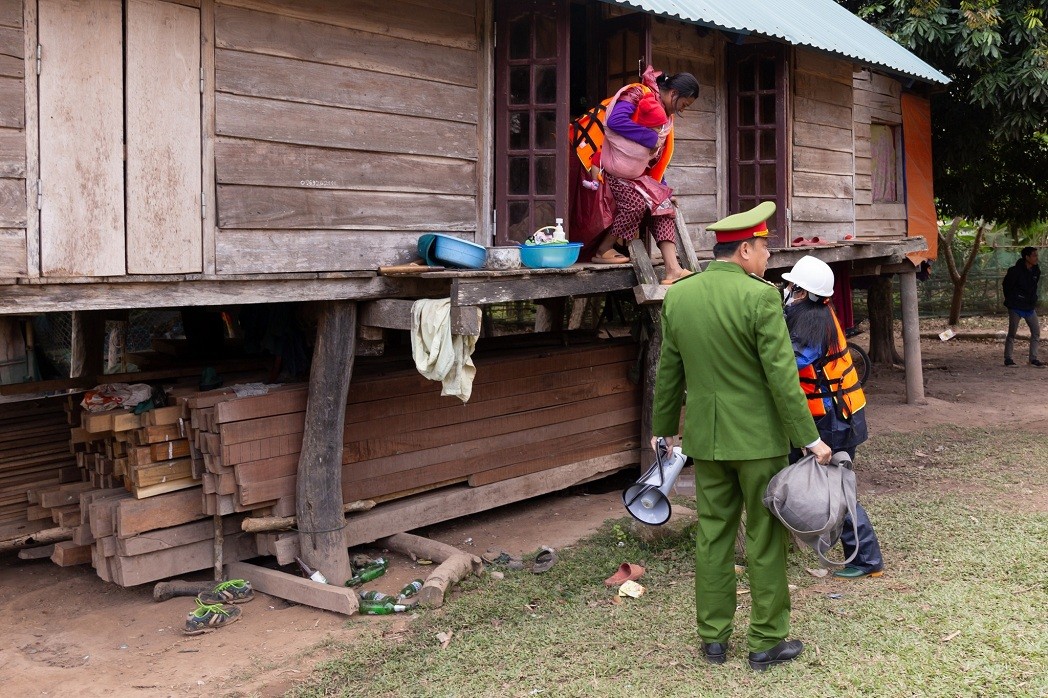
<point x="811" y="500"/>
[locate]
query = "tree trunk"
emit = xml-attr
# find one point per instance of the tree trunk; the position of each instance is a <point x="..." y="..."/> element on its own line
<point x="882" y="333"/>
<point x="318" y="503"/>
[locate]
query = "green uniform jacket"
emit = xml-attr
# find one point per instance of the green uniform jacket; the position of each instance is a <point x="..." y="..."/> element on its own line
<point x="725" y="340"/>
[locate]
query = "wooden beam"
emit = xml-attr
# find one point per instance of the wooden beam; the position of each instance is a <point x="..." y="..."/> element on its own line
<point x="427" y="509"/>
<point x="395" y="314"/>
<point x="652" y="350"/>
<point x="470" y="290"/>
<point x="319" y="480"/>
<point x="911" y="340"/>
<point x="329" y="597"/>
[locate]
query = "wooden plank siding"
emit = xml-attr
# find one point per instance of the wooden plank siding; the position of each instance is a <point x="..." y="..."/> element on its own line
<point x="695" y="172"/>
<point x="342" y="135"/>
<point x="822" y="181"/>
<point x="13" y="195"/>
<point x="877" y="100"/>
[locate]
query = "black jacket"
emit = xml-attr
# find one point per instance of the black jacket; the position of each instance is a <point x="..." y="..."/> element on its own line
<point x="1020" y="286"/>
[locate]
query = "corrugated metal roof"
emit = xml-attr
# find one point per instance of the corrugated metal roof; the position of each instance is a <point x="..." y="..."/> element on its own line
<point x="820" y="24"/>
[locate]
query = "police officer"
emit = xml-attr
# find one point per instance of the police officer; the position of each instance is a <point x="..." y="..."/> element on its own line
<point x="725" y="342"/>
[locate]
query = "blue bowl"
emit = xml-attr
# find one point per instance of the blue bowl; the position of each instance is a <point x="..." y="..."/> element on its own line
<point x="456" y="252"/>
<point x="549" y="256"/>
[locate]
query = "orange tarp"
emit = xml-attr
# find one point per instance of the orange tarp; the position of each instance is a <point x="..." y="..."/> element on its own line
<point x="921" y="219"/>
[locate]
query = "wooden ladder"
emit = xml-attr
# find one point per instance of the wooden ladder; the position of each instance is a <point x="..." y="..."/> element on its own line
<point x="649" y="294"/>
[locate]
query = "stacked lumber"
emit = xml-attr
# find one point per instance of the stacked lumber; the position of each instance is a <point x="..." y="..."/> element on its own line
<point x="34" y="454"/>
<point x="528" y="413"/>
<point x="138" y="541"/>
<point x="147" y="453"/>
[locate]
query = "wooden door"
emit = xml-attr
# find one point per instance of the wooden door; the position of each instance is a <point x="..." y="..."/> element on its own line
<point x="531" y="117"/>
<point x="757" y="167"/>
<point x="81" y="138"/>
<point x="164" y="226"/>
<point x="627" y="50"/>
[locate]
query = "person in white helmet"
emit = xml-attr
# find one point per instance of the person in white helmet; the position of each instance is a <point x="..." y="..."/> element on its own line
<point x="835" y="396"/>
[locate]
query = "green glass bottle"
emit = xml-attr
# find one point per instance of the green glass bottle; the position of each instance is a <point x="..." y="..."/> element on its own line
<point x="411" y="589"/>
<point x="375" y="596"/>
<point x="373" y="571"/>
<point x="381" y="608"/>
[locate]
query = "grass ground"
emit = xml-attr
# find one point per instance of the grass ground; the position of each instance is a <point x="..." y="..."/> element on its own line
<point x="961" y="610"/>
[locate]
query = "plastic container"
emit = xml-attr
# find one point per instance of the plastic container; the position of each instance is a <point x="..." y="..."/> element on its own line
<point x="549" y="256"/>
<point x="454" y="252"/>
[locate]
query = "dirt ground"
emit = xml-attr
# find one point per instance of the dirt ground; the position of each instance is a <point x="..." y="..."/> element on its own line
<point x="66" y="632"/>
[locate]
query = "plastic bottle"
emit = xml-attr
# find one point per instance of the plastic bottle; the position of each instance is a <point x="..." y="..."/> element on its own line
<point x="381" y="608"/>
<point x="411" y="589"/>
<point x="558" y="231"/>
<point x="373" y="571"/>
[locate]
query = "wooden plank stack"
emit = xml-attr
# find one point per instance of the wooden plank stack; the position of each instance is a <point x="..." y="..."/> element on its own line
<point x="142" y="502"/>
<point x="401" y="437"/>
<point x="34" y="454"/>
<point x="148" y="453"/>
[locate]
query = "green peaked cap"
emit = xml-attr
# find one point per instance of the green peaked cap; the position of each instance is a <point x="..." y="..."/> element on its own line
<point x="746" y="219"/>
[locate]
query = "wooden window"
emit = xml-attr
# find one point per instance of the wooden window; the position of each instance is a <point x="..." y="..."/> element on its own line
<point x="886" y="167"/>
<point x="163" y="133"/>
<point x="81" y="138"/>
<point x="531" y="119"/>
<point x="757" y="132"/>
<point x="96" y="219"/>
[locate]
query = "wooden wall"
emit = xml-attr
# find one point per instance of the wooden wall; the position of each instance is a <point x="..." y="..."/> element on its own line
<point x="13" y="210"/>
<point x="877" y="100"/>
<point x="342" y="131"/>
<point x="822" y="181"/>
<point x="697" y="165"/>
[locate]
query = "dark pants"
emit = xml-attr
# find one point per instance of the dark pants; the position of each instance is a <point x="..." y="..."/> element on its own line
<point x="1013" y="326"/>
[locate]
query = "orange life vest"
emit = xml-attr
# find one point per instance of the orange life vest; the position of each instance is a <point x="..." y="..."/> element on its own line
<point x="833" y="376"/>
<point x="587" y="135"/>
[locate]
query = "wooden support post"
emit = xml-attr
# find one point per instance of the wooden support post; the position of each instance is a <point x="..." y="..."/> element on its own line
<point x="646" y="276"/>
<point x="220" y="538"/>
<point x="318" y="504"/>
<point x="911" y="340"/>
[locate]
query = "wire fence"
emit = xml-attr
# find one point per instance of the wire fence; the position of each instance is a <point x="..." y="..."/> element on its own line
<point x="983" y="294"/>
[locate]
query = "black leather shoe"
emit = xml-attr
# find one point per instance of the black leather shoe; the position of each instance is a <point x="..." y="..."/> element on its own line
<point x="1009" y="362"/>
<point x="779" y="654"/>
<point x="716" y="652"/>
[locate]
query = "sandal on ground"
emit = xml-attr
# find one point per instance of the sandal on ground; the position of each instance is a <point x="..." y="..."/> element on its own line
<point x="231" y="591"/>
<point x="208" y="617"/>
<point x="611" y="256"/>
<point x="627" y="572"/>
<point x="500" y="558"/>
<point x="544" y="560"/>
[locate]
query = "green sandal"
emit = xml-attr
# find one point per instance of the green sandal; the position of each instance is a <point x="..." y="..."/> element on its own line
<point x="208" y="617"/>
<point x="230" y="591"/>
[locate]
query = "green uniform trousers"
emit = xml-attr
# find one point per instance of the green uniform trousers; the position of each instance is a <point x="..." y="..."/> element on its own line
<point x="721" y="490"/>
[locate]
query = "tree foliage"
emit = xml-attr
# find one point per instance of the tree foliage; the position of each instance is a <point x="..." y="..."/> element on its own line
<point x="990" y="125"/>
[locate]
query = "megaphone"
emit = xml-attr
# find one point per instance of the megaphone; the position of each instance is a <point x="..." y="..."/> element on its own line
<point x="648" y="499"/>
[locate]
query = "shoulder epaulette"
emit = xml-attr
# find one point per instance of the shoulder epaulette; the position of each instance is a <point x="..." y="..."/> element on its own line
<point x="762" y="280"/>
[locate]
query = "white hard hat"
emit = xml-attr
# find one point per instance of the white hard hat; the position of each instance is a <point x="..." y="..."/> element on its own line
<point x="813" y="275"/>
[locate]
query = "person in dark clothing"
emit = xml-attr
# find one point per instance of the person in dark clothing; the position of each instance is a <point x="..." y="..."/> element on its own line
<point x="1020" y="297"/>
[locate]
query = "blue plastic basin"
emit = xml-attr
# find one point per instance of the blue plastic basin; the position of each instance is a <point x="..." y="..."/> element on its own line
<point x="455" y="252"/>
<point x="549" y="256"/>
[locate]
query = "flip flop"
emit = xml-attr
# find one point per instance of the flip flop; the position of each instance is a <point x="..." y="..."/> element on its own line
<point x="798" y="242"/>
<point x="627" y="572"/>
<point x="544" y="560"/>
<point x="670" y="282"/>
<point x="610" y="257"/>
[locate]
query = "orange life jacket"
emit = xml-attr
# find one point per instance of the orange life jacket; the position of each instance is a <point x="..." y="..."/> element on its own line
<point x="833" y="376"/>
<point x="587" y="135"/>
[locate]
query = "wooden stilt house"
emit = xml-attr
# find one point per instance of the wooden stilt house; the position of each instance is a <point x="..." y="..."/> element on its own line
<point x="217" y="152"/>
